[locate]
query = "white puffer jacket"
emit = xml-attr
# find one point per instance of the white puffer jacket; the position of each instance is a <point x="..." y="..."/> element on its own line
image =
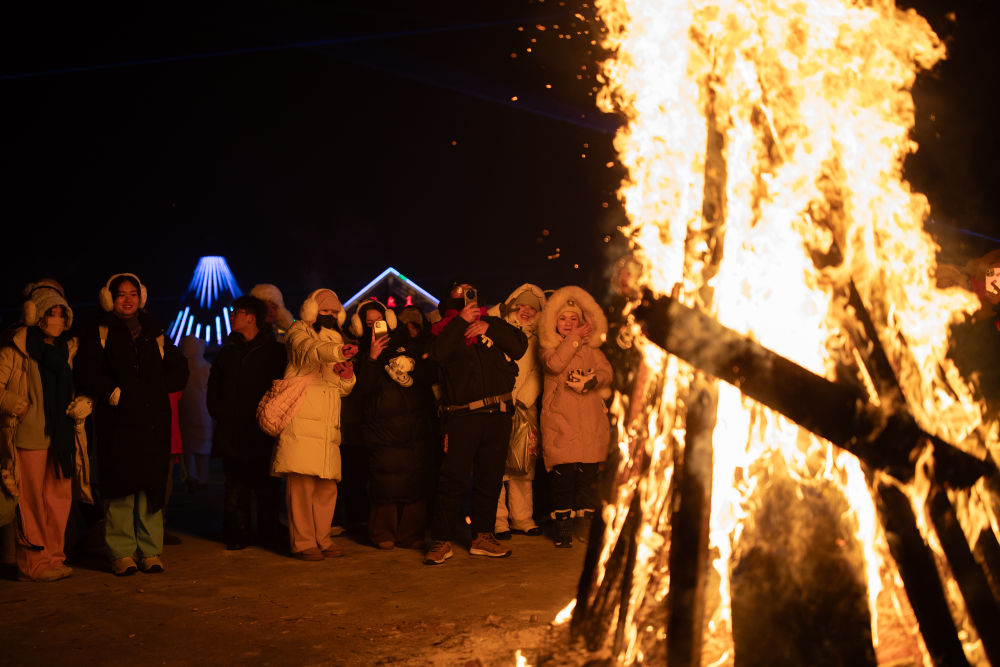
<point x="310" y="444"/>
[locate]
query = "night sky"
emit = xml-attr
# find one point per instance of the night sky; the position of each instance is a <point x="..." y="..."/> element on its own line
<point x="313" y="145"/>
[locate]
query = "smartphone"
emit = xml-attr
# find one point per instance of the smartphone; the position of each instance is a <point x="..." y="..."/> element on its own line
<point x="380" y="328"/>
<point x="470" y="296"/>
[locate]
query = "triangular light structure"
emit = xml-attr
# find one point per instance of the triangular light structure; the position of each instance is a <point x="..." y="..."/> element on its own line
<point x="396" y="291"/>
<point x="204" y="309"/>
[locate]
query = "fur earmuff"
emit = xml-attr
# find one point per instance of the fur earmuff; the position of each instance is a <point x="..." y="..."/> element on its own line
<point x="357" y="327"/>
<point x="107" y="299"/>
<point x="39" y="297"/>
<point x="310" y="308"/>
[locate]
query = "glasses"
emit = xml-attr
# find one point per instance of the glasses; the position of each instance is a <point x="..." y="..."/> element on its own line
<point x="239" y="311"/>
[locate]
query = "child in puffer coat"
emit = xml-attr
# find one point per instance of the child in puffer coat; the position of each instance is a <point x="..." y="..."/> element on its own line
<point x="574" y="422"/>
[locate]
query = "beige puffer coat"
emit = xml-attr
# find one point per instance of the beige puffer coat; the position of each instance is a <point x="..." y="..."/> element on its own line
<point x="574" y="426"/>
<point x="310" y="444"/>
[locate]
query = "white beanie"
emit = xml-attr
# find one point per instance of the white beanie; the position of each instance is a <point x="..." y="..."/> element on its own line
<point x="42" y="296"/>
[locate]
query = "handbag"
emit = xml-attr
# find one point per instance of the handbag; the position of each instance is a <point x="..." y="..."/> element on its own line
<point x="523" y="440"/>
<point x="280" y="403"/>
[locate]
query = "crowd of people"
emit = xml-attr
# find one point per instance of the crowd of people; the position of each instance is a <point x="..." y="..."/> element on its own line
<point x="420" y="430"/>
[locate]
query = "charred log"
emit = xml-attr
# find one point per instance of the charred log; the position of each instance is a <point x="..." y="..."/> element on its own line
<point x="689" y="552"/>
<point x="920" y="576"/>
<point x="971" y="580"/>
<point x="837" y="413"/>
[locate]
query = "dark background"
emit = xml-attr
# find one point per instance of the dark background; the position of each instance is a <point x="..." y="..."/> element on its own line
<point x="315" y="143"/>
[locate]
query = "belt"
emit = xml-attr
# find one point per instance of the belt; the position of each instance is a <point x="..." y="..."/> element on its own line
<point x="487" y="402"/>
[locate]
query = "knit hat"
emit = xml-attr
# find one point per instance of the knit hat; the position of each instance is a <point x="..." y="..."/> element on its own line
<point x="321" y="299"/>
<point x="41" y="296"/>
<point x="326" y="299"/>
<point x="573" y="306"/>
<point x="271" y="294"/>
<point x="526" y="298"/>
<point x="411" y="315"/>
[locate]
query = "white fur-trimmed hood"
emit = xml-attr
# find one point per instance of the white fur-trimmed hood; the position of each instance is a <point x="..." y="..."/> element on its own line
<point x="548" y="338"/>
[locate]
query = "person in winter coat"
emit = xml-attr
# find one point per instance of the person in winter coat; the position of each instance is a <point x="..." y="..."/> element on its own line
<point x="242" y="373"/>
<point x="308" y="449"/>
<point x="477" y="354"/>
<point x="129" y="367"/>
<point x="522" y="309"/>
<point x="39" y="415"/>
<point x="575" y="425"/>
<point x="195" y="420"/>
<point x="279" y="319"/>
<point x="394" y="381"/>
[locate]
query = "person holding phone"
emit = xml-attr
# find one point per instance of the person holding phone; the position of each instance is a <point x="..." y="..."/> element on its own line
<point x="394" y="381"/>
<point x="477" y="354"/>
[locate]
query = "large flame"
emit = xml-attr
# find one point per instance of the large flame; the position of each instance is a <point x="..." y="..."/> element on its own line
<point x="764" y="145"/>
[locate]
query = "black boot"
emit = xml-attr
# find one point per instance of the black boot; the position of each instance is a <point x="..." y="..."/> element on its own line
<point x="564" y="529"/>
<point x="581" y="525"/>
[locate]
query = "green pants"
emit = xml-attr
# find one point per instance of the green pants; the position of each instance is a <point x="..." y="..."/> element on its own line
<point x="129" y="527"/>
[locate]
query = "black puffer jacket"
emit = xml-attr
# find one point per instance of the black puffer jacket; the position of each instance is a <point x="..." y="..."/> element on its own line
<point x="397" y="422"/>
<point x="486" y="368"/>
<point x="132" y="439"/>
<point x="240" y="376"/>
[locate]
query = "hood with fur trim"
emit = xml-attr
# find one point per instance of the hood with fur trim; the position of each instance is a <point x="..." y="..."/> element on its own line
<point x="271" y="294"/>
<point x="548" y="338"/>
<point x="508" y="309"/>
<point x="310" y="308"/>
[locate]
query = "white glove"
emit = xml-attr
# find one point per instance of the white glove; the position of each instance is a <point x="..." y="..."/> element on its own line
<point x="79" y="408"/>
<point x="115" y="396"/>
<point x="581" y="381"/>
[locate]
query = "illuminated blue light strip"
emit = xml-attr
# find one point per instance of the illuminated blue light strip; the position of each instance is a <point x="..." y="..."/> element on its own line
<point x="197" y="330"/>
<point x="208" y="333"/>
<point x="218" y="331"/>
<point x="176" y="325"/>
<point x="190" y="324"/>
<point x="350" y="302"/>
<point x="225" y="316"/>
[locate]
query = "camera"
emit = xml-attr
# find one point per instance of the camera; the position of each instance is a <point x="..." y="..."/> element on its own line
<point x="380" y="328"/>
<point x="470" y="296"/>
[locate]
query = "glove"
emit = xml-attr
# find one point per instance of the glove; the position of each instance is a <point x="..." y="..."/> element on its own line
<point x="581" y="381"/>
<point x="115" y="396"/>
<point x="344" y="369"/>
<point x="79" y="408"/>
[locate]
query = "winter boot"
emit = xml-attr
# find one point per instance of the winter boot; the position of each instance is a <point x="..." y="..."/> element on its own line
<point x="563" y="529"/>
<point x="581" y="524"/>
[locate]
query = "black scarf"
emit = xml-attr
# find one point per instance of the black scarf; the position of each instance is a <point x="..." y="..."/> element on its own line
<point x="57" y="392"/>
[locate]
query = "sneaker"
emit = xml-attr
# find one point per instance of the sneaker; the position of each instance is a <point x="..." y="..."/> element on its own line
<point x="531" y="532"/>
<point x="386" y="545"/>
<point x="65" y="569"/>
<point x="313" y="554"/>
<point x="439" y="552"/>
<point x="151" y="565"/>
<point x="486" y="544"/>
<point x="124" y="566"/>
<point x="503" y="535"/>
<point x="51" y="574"/>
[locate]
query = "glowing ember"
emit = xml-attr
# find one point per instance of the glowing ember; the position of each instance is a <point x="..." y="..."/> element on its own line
<point x="764" y="146"/>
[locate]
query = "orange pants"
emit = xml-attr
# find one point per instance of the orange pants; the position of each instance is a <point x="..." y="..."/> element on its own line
<point x="311" y="501"/>
<point x="44" y="505"/>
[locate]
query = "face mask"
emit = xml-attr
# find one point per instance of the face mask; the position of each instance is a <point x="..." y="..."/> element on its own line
<point x="327" y="321"/>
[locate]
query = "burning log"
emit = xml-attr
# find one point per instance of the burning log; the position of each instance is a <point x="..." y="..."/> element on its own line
<point x="886" y="442"/>
<point x="919" y="575"/>
<point x="834" y="412"/>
